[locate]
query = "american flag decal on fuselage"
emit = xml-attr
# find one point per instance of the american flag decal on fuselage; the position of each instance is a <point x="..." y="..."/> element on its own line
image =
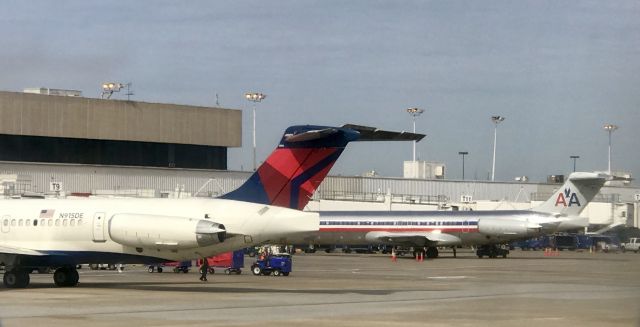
<point x="47" y="213"/>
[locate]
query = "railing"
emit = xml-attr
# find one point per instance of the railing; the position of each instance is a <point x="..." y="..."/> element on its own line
<point x="379" y="197"/>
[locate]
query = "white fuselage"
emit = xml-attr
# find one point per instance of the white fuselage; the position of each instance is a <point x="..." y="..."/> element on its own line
<point x="83" y="227"/>
<point x="466" y="227"/>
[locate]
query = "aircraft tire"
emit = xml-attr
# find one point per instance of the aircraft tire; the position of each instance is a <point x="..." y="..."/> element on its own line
<point x="16" y="279"/>
<point x="432" y="252"/>
<point x="66" y="277"/>
<point x="75" y="277"/>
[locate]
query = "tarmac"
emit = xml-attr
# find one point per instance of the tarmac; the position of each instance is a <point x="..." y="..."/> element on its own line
<point x="526" y="289"/>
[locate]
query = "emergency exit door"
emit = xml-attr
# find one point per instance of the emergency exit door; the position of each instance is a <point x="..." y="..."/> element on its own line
<point x="98" y="227"/>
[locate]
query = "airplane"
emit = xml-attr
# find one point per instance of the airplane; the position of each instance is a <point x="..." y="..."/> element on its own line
<point x="63" y="233"/>
<point x="433" y="229"/>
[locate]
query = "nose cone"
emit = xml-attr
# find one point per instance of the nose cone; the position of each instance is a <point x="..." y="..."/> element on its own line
<point x="571" y="223"/>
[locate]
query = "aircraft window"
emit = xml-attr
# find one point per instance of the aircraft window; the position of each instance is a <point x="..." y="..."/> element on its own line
<point x="6" y="222"/>
<point x="20" y="222"/>
<point x="65" y="222"/>
<point x="42" y="223"/>
<point x="35" y="222"/>
<point x="79" y="222"/>
<point x="72" y="222"/>
<point x="27" y="222"/>
<point x="50" y="223"/>
<point x="57" y="222"/>
<point x="13" y="222"/>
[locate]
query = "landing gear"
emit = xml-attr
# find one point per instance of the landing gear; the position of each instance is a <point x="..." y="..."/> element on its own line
<point x="432" y="252"/>
<point x="66" y="277"/>
<point x="16" y="278"/>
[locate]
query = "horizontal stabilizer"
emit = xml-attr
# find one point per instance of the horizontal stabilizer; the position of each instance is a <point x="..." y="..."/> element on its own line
<point x="310" y="135"/>
<point x="373" y="134"/>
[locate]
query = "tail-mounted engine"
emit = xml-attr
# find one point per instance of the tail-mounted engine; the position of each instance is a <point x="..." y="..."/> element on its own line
<point x="155" y="231"/>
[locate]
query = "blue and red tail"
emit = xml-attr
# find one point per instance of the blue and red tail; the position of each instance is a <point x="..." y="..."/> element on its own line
<point x="303" y="158"/>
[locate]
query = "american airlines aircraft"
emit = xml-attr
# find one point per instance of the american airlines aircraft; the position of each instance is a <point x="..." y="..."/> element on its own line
<point x="430" y="229"/>
<point x="62" y="233"/>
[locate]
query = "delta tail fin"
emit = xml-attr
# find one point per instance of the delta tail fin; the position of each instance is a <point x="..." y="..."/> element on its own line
<point x="570" y="199"/>
<point x="303" y="158"/>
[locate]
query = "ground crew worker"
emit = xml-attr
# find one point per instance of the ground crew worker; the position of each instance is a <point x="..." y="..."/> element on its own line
<point x="204" y="269"/>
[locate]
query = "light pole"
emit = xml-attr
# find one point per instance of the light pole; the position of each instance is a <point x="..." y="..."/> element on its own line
<point x="610" y="128"/>
<point x="414" y="112"/>
<point x="574" y="162"/>
<point x="463" y="153"/>
<point x="254" y="97"/>
<point x="496" y="120"/>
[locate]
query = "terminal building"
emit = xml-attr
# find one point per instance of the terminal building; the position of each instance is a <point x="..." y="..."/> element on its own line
<point x="76" y="130"/>
<point x="61" y="145"/>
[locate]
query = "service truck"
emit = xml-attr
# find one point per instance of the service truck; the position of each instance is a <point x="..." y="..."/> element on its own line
<point x="632" y="245"/>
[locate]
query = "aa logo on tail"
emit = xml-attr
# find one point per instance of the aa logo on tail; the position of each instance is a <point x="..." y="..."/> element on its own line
<point x="567" y="195"/>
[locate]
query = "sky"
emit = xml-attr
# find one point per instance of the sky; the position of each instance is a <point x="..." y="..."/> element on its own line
<point x="557" y="70"/>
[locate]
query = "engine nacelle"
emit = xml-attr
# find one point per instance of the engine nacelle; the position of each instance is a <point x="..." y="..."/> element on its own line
<point x="164" y="231"/>
<point x="498" y="227"/>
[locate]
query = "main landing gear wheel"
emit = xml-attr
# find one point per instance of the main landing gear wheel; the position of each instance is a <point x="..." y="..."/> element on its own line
<point x="16" y="278"/>
<point x="432" y="252"/>
<point x="66" y="277"/>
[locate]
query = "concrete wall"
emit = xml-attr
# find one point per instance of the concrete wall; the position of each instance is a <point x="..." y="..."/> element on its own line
<point x="75" y="117"/>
